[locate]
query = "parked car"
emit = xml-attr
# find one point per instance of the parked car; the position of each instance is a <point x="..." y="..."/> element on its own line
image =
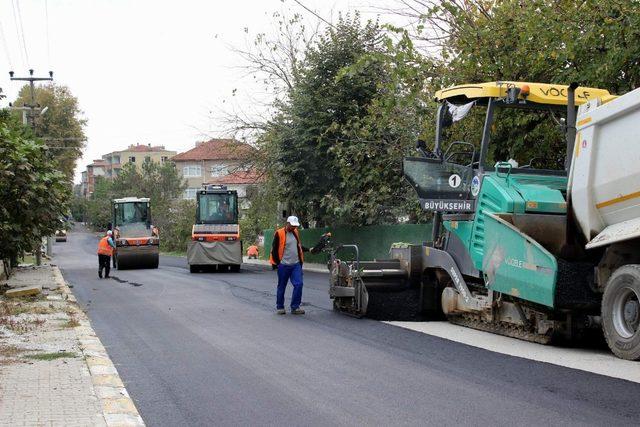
<point x="61" y="235"/>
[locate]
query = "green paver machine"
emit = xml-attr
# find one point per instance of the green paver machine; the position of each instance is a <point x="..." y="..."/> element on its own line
<point x="509" y="252"/>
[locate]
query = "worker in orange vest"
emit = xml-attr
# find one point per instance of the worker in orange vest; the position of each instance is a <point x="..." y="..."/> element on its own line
<point x="105" y="250"/>
<point x="287" y="257"/>
<point x="252" y="252"/>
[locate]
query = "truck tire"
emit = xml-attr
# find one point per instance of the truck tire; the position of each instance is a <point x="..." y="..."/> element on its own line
<point x="235" y="268"/>
<point x="193" y="269"/>
<point x="621" y="312"/>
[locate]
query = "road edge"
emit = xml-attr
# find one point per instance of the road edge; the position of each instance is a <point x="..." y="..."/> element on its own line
<point x="117" y="406"/>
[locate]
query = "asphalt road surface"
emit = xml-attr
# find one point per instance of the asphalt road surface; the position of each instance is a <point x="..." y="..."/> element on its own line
<point x="208" y="349"/>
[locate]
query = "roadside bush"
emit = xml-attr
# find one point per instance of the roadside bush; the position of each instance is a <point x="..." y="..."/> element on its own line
<point x="175" y="225"/>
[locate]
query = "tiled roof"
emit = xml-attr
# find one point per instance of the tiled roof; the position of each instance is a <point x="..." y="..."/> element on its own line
<point x="240" y="177"/>
<point x="216" y="149"/>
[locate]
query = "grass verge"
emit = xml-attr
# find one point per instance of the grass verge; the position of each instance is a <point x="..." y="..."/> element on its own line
<point x="51" y="356"/>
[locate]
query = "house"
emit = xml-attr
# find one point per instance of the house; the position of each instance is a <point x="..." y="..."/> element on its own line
<point x="137" y="155"/>
<point x="218" y="161"/>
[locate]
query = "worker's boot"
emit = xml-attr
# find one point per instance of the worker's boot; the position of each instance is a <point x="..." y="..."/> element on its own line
<point x="100" y="273"/>
<point x="281" y="311"/>
<point x="297" y="311"/>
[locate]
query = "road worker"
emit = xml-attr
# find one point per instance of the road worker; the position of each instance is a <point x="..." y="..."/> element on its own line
<point x="287" y="257"/>
<point x="105" y="250"/>
<point x="252" y="252"/>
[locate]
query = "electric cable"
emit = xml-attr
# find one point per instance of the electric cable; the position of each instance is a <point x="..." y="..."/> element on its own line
<point x="46" y="17"/>
<point x="24" y="40"/>
<point x="6" y="46"/>
<point x="314" y="13"/>
<point x="15" y="20"/>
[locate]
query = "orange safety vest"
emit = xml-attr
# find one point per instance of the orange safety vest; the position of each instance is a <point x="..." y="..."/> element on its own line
<point x="282" y="240"/>
<point x="253" y="250"/>
<point x="104" y="248"/>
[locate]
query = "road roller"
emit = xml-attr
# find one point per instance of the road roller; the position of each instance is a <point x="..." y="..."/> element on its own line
<point x="215" y="239"/>
<point x="137" y="240"/>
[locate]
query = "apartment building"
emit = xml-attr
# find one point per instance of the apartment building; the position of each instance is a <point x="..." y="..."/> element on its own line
<point x="137" y="155"/>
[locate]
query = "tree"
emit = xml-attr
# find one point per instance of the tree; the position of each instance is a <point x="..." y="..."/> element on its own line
<point x="33" y="191"/>
<point x="99" y="205"/>
<point x="334" y="149"/>
<point x="61" y="127"/>
<point x="159" y="182"/>
<point x="262" y="214"/>
<point x="591" y="42"/>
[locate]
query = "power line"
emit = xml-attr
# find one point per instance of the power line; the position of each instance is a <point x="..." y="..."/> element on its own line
<point x="314" y="13"/>
<point x="15" y="20"/>
<point x="24" y="41"/>
<point x="5" y="45"/>
<point x="46" y="17"/>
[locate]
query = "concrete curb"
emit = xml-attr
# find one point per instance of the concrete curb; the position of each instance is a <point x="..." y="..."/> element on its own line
<point x="117" y="407"/>
<point x="315" y="268"/>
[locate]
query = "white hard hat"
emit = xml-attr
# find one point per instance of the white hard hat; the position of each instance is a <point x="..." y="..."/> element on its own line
<point x="293" y="220"/>
<point x="109" y="233"/>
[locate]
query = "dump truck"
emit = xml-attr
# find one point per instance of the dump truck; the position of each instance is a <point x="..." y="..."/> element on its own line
<point x="522" y="249"/>
<point x="215" y="237"/>
<point x="137" y="240"/>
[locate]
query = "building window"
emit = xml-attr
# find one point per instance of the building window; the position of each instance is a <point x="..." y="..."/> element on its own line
<point x="219" y="170"/>
<point x="192" y="171"/>
<point x="132" y="159"/>
<point x="190" y="193"/>
<point x="163" y="159"/>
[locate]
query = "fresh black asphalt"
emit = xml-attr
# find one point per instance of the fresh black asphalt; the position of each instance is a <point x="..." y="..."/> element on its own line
<point x="208" y="349"/>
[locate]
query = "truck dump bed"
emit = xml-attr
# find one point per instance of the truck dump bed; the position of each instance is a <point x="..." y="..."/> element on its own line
<point x="604" y="184"/>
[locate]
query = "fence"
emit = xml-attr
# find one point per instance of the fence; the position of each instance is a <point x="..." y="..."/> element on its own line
<point x="373" y="241"/>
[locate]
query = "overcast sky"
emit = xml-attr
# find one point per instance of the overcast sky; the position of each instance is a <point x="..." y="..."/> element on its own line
<point x="145" y="71"/>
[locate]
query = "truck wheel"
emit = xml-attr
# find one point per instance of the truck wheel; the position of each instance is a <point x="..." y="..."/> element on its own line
<point x="621" y="312"/>
<point x="234" y="268"/>
<point x="193" y="269"/>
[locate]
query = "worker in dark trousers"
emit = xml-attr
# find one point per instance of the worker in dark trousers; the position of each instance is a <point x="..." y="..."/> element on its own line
<point x="287" y="257"/>
<point x="105" y="250"/>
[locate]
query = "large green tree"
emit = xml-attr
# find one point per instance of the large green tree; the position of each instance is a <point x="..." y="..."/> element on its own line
<point x="61" y="126"/>
<point x="33" y="192"/>
<point x="334" y="146"/>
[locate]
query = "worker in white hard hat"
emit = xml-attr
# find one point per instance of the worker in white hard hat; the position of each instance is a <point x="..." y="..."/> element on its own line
<point x="287" y="257"/>
<point x="105" y="250"/>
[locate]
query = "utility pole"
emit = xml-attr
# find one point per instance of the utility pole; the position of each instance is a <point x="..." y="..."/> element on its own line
<point x="29" y="117"/>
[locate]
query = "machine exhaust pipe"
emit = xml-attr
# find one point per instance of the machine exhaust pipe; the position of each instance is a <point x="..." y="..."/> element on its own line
<point x="571" y="123"/>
